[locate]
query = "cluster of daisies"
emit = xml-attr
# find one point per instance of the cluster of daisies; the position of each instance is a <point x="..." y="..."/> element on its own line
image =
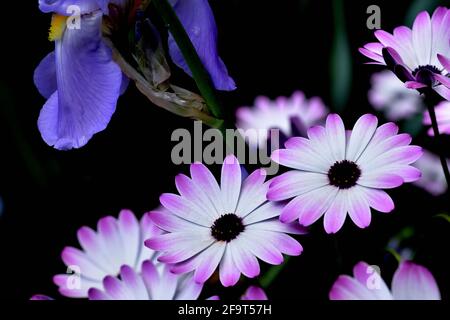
<point x="228" y="225"/>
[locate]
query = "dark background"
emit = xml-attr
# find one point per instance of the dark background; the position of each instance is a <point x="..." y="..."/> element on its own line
<point x="271" y="48"/>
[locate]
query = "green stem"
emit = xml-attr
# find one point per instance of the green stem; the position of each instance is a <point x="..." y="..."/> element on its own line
<point x="431" y="100"/>
<point x="268" y="278"/>
<point x="199" y="73"/>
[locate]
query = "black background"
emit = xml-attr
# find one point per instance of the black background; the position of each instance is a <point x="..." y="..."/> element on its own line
<point x="271" y="48"/>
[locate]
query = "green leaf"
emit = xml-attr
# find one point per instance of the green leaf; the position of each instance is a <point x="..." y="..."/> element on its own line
<point x="443" y="216"/>
<point x="413" y="125"/>
<point x="269" y="277"/>
<point x="341" y="62"/>
<point x="421" y="5"/>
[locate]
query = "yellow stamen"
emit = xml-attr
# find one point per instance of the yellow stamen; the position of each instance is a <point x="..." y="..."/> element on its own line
<point x="57" y="27"/>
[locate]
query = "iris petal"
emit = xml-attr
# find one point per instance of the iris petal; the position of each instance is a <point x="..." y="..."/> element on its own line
<point x="88" y="84"/>
<point x="198" y="20"/>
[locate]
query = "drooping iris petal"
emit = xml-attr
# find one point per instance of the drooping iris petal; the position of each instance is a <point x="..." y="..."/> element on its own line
<point x="198" y="20"/>
<point x="88" y="83"/>
<point x="45" y="76"/>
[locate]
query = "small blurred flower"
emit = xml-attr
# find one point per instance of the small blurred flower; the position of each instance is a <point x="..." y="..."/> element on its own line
<point x="388" y="94"/>
<point x="292" y="116"/>
<point x="226" y="227"/>
<point x="152" y="283"/>
<point x="417" y="56"/>
<point x="443" y="118"/>
<point x="254" y="293"/>
<point x="433" y="179"/>
<point x="117" y="242"/>
<point x="338" y="172"/>
<point x="411" y="282"/>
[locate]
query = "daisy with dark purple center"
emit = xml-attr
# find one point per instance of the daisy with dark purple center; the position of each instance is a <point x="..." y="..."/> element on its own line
<point x="410" y="282"/>
<point x="227" y="227"/>
<point x="338" y="172"/>
<point x="419" y="56"/>
<point x="117" y="242"/>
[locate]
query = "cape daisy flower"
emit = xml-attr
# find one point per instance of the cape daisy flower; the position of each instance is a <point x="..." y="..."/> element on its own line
<point x="292" y="116"/>
<point x="338" y="172"/>
<point x="410" y="282"/>
<point x="442" y="116"/>
<point x="117" y="242"/>
<point x="154" y="282"/>
<point x="419" y="56"/>
<point x="227" y="227"/>
<point x="389" y="95"/>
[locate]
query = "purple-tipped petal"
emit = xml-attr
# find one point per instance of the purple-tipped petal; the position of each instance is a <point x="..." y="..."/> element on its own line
<point x="254" y="293"/>
<point x="198" y="20"/>
<point x="414" y="282"/>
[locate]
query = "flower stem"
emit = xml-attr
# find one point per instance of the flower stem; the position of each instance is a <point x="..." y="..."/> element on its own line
<point x="431" y="100"/>
<point x="199" y="73"/>
<point x="269" y="277"/>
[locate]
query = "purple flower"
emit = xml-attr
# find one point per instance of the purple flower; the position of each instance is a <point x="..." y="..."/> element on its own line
<point x="433" y="179"/>
<point x="227" y="227"/>
<point x="80" y="80"/>
<point x="418" y="56"/>
<point x="338" y="172"/>
<point x="442" y="116"/>
<point x="410" y="282"/>
<point x="254" y="293"/>
<point x="154" y="282"/>
<point x="198" y="20"/>
<point x="389" y="94"/>
<point x="291" y="116"/>
<point x="117" y="242"/>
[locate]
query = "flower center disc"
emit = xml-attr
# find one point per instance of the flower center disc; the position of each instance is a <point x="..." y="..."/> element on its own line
<point x="227" y="227"/>
<point x="344" y="174"/>
<point x="425" y="74"/>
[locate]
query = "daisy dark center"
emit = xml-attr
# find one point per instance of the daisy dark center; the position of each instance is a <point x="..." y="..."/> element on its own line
<point x="425" y="74"/>
<point x="227" y="227"/>
<point x="344" y="174"/>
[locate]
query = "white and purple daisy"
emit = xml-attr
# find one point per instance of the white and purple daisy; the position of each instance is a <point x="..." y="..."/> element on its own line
<point x="389" y="94"/>
<point x="117" y="242"/>
<point x="419" y="56"/>
<point x="433" y="178"/>
<point x="292" y="116"/>
<point x="442" y="116"/>
<point x="227" y="227"/>
<point x="154" y="282"/>
<point x="410" y="282"/>
<point x="338" y="172"/>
